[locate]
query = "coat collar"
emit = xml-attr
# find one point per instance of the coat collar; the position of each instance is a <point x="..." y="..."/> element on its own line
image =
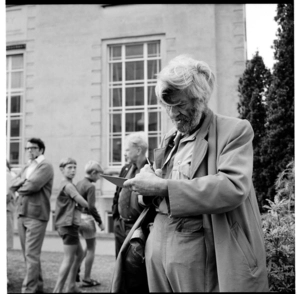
<point x="201" y="144"/>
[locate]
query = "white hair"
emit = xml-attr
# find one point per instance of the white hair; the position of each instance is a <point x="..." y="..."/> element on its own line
<point x="183" y="73"/>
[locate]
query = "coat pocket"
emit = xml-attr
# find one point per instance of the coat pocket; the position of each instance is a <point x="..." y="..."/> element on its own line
<point x="244" y="245"/>
<point x="34" y="209"/>
<point x="190" y="225"/>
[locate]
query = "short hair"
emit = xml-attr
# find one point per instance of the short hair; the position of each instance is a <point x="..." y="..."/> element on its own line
<point x="91" y="166"/>
<point x="183" y="73"/>
<point x="66" y="161"/>
<point x="39" y="142"/>
<point x="138" y="139"/>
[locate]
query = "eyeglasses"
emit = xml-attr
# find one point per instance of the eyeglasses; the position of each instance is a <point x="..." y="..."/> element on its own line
<point x="31" y="148"/>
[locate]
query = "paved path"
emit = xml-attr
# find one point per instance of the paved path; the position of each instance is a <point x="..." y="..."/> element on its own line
<point x="53" y="243"/>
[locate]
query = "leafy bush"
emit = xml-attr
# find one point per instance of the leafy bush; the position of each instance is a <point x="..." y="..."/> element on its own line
<point x="279" y="230"/>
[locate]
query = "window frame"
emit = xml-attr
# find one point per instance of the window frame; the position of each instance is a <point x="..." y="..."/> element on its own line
<point x="20" y="115"/>
<point x="105" y="132"/>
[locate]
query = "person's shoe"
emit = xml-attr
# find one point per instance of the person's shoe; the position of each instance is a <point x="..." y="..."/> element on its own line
<point x="90" y="283"/>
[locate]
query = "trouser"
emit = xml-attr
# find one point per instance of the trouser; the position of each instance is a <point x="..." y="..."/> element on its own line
<point x="9" y="229"/>
<point x="121" y="230"/>
<point x="176" y="259"/>
<point x="32" y="233"/>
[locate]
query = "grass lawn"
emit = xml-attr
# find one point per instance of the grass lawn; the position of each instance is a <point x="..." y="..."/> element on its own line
<point x="102" y="271"/>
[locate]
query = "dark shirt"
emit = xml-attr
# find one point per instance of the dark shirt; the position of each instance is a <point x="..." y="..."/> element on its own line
<point x="67" y="211"/>
<point x="88" y="191"/>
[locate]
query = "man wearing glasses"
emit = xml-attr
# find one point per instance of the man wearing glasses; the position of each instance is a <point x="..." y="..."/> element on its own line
<point x="34" y="185"/>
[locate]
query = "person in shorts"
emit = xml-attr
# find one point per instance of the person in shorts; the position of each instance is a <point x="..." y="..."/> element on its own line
<point x="67" y="221"/>
<point x="89" y="216"/>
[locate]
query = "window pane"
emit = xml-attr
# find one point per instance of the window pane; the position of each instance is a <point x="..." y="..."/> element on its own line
<point x="134" y="70"/>
<point x="6" y="81"/>
<point x="116" y="97"/>
<point x="116" y="147"/>
<point x="134" y="122"/>
<point x="16" y="80"/>
<point x="153" y="68"/>
<point x="134" y="51"/>
<point x="15" y="128"/>
<point x="7" y="60"/>
<point x="17" y="61"/>
<point x="115" y="72"/>
<point x="134" y="96"/>
<point x="6" y="105"/>
<point x="152" y="99"/>
<point x="15" y="106"/>
<point x="153" y="50"/>
<point x="115" y="53"/>
<point x="115" y="124"/>
<point x="154" y="121"/>
<point x="14" y="153"/>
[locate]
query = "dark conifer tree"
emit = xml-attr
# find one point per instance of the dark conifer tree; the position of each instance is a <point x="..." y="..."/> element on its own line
<point x="253" y="88"/>
<point x="278" y="146"/>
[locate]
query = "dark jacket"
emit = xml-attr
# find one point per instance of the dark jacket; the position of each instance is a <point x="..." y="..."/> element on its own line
<point x="114" y="208"/>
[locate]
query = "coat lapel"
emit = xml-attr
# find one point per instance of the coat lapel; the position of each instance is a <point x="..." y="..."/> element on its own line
<point x="201" y="145"/>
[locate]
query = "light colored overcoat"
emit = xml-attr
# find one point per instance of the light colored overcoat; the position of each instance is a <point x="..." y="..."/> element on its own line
<point x="226" y="193"/>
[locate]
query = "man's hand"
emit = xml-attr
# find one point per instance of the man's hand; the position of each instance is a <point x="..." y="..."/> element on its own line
<point x="101" y="227"/>
<point x="148" y="183"/>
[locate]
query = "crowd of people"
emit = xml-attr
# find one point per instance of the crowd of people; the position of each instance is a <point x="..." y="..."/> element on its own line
<point x="206" y="234"/>
<point x="75" y="213"/>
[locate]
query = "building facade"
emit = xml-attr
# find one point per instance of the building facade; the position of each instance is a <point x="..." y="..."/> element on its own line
<point x="82" y="77"/>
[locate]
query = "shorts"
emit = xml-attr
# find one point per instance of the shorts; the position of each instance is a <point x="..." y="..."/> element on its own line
<point x="69" y="234"/>
<point x="87" y="227"/>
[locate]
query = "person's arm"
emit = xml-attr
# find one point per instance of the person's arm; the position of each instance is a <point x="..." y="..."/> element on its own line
<point x="38" y="179"/>
<point x="91" y="200"/>
<point x="73" y="193"/>
<point x="223" y="191"/>
<point x="210" y="194"/>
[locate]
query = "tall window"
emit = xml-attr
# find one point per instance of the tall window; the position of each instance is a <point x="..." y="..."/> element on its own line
<point x="14" y="106"/>
<point x="133" y="105"/>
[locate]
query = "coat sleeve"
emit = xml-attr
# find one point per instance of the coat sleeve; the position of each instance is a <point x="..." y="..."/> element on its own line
<point x="37" y="180"/>
<point x="223" y="191"/>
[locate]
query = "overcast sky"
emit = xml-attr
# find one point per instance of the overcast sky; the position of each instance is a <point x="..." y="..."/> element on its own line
<point x="261" y="31"/>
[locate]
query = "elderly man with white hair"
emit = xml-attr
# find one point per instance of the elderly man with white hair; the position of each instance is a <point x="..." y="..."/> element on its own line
<point x="207" y="235"/>
<point x="127" y="205"/>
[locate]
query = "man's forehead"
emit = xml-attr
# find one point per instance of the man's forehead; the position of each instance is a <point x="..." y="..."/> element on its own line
<point x="174" y="97"/>
<point x="32" y="144"/>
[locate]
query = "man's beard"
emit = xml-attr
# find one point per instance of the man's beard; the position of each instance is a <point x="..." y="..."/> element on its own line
<point x="188" y="123"/>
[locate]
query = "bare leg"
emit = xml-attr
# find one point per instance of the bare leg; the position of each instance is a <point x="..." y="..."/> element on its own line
<point x="69" y="254"/>
<point x="89" y="259"/>
<point x="71" y="282"/>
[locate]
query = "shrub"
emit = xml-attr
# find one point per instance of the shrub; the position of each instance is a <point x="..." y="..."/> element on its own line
<point x="279" y="230"/>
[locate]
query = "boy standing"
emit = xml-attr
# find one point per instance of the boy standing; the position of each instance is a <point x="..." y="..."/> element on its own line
<point x="67" y="221"/>
<point x="89" y="215"/>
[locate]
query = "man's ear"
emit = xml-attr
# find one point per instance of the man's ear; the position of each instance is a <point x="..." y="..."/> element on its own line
<point x="139" y="150"/>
